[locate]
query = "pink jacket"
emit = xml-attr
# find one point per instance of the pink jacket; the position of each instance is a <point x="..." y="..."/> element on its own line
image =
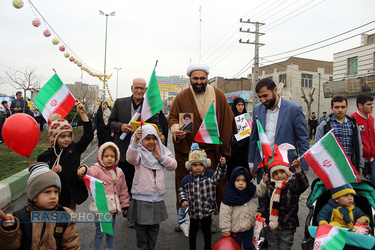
<point x="146" y="186"/>
<point x="114" y="186"/>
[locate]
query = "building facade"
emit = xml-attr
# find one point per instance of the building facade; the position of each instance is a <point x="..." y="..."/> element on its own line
<point x="353" y="72"/>
<point x="296" y="76"/>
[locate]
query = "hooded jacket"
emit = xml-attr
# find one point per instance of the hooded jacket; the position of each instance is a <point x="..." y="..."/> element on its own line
<point x="115" y="187"/>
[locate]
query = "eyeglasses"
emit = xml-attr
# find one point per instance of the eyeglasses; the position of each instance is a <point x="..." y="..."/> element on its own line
<point x="139" y="88"/>
<point x="199" y="78"/>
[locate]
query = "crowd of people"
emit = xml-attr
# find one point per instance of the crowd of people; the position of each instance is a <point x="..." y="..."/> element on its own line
<point x="19" y="105"/>
<point x="210" y="179"/>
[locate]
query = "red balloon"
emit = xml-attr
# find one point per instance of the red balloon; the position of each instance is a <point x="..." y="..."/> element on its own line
<point x="21" y="133"/>
<point x="226" y="243"/>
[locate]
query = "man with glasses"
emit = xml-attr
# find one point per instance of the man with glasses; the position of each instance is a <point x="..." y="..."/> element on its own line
<point x="122" y="112"/>
<point x="196" y="100"/>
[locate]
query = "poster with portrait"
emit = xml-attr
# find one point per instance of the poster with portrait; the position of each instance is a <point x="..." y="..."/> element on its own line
<point x="186" y="122"/>
<point x="244" y="126"/>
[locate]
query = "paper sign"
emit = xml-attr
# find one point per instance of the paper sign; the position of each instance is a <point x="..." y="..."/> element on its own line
<point x="244" y="126"/>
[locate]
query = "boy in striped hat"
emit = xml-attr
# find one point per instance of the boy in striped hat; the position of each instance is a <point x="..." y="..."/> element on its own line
<point x="280" y="204"/>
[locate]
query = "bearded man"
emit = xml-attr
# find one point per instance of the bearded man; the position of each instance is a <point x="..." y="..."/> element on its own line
<point x="283" y="121"/>
<point x="196" y="100"/>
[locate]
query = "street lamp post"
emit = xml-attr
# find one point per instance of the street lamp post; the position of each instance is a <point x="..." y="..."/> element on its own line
<point x="105" y="47"/>
<point x="117" y="82"/>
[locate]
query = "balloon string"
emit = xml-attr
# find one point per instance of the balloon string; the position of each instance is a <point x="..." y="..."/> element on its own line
<point x="29" y="160"/>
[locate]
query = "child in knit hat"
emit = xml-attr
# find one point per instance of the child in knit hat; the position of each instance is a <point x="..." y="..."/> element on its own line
<point x="64" y="156"/>
<point x="43" y="188"/>
<point x="115" y="188"/>
<point x="198" y="191"/>
<point x="341" y="210"/>
<point x="280" y="204"/>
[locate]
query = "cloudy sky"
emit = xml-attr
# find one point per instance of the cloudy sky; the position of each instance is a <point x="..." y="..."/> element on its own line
<point x="144" y="31"/>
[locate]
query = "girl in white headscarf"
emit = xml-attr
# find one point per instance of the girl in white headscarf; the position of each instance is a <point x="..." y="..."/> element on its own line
<point x="147" y="208"/>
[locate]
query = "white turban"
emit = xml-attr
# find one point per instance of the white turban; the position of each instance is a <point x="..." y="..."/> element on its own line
<point x="197" y="66"/>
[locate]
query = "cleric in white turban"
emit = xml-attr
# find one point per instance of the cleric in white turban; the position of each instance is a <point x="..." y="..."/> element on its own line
<point x="197" y="66"/>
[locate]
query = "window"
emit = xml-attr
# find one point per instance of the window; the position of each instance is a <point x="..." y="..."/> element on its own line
<point x="282" y="78"/>
<point x="306" y="81"/>
<point x="353" y="65"/>
<point x="330" y="78"/>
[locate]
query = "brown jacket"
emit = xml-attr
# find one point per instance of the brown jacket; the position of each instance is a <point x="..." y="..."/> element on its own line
<point x="13" y="239"/>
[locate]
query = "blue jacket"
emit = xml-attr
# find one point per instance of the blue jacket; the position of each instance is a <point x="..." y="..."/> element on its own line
<point x="333" y="213"/>
<point x="291" y="128"/>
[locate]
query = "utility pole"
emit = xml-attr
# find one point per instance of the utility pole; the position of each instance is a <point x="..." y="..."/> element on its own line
<point x="200" y="33"/>
<point x="319" y="96"/>
<point x="117" y="82"/>
<point x="256" y="43"/>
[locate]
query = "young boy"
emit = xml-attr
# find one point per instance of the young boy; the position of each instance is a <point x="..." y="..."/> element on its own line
<point x="280" y="203"/>
<point x="340" y="210"/>
<point x="43" y="188"/>
<point x="198" y="191"/>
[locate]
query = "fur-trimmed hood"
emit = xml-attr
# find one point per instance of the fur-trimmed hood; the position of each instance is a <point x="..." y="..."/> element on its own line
<point x="99" y="156"/>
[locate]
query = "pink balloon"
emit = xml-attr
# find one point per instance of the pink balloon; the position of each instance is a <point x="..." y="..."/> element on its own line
<point x="226" y="243"/>
<point x="21" y="133"/>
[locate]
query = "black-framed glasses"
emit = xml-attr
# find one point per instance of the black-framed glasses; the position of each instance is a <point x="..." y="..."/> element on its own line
<point x="139" y="88"/>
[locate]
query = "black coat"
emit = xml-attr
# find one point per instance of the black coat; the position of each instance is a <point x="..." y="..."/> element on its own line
<point x="72" y="187"/>
<point x="103" y="131"/>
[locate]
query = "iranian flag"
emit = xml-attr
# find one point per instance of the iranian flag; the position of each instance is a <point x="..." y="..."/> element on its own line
<point x="330" y="162"/>
<point x="96" y="188"/>
<point x="54" y="97"/>
<point x="328" y="238"/>
<point x="263" y="145"/>
<point x="208" y="131"/>
<point x="152" y="103"/>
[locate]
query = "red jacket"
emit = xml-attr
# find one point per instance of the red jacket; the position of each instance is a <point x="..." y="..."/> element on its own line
<point x="367" y="131"/>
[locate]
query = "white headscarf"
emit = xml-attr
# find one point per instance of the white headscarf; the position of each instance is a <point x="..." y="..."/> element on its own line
<point x="147" y="158"/>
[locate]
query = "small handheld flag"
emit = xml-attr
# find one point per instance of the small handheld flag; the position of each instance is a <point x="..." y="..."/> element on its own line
<point x="208" y="131"/>
<point x="152" y="103"/>
<point x="54" y="97"/>
<point x="97" y="192"/>
<point x="263" y="145"/>
<point x="330" y="162"/>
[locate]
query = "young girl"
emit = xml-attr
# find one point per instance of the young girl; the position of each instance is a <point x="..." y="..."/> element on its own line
<point x="238" y="206"/>
<point x="147" y="209"/>
<point x="114" y="186"/>
<point x="64" y="156"/>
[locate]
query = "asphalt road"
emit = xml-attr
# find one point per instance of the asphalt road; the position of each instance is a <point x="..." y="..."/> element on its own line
<point x="125" y="237"/>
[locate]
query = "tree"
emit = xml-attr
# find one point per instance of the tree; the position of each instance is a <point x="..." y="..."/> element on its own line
<point x="26" y="81"/>
<point x="308" y="101"/>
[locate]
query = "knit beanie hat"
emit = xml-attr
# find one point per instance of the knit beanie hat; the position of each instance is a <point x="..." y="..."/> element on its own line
<point x="197" y="66"/>
<point x="41" y="177"/>
<point x="342" y="190"/>
<point x="280" y="159"/>
<point x="57" y="125"/>
<point x="197" y="155"/>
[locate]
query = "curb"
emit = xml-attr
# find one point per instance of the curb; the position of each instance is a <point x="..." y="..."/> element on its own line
<point x="13" y="187"/>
